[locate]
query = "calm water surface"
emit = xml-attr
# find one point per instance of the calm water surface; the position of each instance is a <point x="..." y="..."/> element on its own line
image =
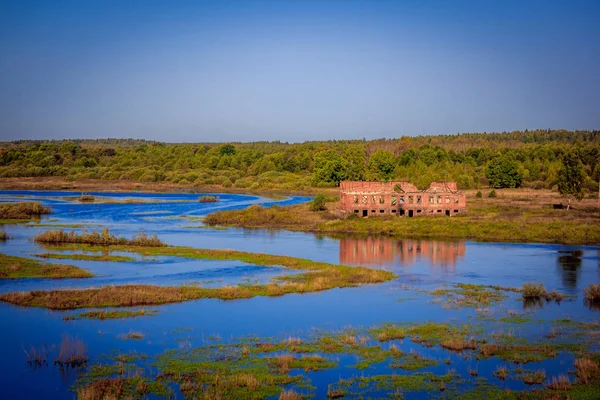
<point x="420" y="266"/>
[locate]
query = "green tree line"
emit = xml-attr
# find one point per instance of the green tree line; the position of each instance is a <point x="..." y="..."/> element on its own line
<point x="474" y="160"/>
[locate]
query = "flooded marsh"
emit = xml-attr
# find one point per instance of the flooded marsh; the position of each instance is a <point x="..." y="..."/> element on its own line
<point x="294" y="319"/>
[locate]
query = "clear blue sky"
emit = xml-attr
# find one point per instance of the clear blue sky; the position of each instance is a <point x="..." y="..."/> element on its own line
<point x="295" y="70"/>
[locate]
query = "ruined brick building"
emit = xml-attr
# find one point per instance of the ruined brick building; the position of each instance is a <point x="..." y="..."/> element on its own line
<point x="368" y="199"/>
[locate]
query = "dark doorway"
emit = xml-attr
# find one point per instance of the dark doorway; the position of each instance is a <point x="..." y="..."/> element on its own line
<point x="410" y="213"/>
<point x="448" y="213"/>
<point x="402" y="213"/>
<point x="365" y="213"/>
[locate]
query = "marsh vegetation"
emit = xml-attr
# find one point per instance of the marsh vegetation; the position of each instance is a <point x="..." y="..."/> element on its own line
<point x="512" y="216"/>
<point x="103" y="238"/>
<point x="23" y="210"/>
<point x="13" y="267"/>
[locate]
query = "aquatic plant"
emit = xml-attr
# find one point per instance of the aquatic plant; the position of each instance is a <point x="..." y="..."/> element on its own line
<point x="534" y="378"/>
<point x="592" y="293"/>
<point x="459" y="344"/>
<point x="501" y="373"/>
<point x="468" y="295"/>
<point x="72" y="353"/>
<point x="104" y="238"/>
<point x="209" y="199"/>
<point x="290" y="395"/>
<point x="86" y="198"/>
<point x="586" y="369"/>
<point x="37" y="356"/>
<point x="13" y="267"/>
<point x="562" y="382"/>
<point x="534" y="291"/>
<point x="26" y="210"/>
<point x="131" y="335"/>
<point x="111" y="314"/>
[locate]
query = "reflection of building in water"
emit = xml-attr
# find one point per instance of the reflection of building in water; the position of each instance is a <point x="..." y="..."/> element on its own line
<point x="387" y="251"/>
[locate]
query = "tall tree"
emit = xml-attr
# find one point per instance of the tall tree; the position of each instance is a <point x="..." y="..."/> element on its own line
<point x="571" y="176"/>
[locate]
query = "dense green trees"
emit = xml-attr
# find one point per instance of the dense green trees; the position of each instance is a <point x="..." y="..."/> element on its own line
<point x="531" y="159"/>
<point x="504" y="172"/>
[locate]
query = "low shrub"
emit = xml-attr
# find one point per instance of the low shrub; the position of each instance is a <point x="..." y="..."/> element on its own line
<point x="479" y="195"/>
<point x="318" y="203"/>
<point x="493" y="194"/>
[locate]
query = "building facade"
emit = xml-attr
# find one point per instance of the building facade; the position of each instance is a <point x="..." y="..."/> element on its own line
<point x="369" y="199"/>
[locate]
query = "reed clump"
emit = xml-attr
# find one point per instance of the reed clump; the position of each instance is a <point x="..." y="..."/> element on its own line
<point x="103" y="238"/>
<point x="72" y="353"/>
<point x="290" y="395"/>
<point x="501" y="373"/>
<point x="537" y="291"/>
<point x="86" y="198"/>
<point x="209" y="199"/>
<point x="37" y="356"/>
<point x="592" y="293"/>
<point x="459" y="344"/>
<point x="562" y="382"/>
<point x="534" y="378"/>
<point x="586" y="370"/>
<point x="25" y="210"/>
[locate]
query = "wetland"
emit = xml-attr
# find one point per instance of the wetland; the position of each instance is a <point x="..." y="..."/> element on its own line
<point x="168" y="311"/>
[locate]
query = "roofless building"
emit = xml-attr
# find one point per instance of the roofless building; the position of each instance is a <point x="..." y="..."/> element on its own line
<point x="369" y="199"/>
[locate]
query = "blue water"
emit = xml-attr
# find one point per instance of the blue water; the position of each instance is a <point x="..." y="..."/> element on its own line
<point x="420" y="265"/>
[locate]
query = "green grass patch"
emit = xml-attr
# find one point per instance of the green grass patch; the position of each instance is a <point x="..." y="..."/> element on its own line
<point x="13" y="267"/>
<point x="112" y="314"/>
<point x="485" y="224"/>
<point x="87" y="257"/>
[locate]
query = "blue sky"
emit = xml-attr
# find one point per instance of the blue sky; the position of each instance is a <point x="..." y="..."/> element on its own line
<point x="191" y="71"/>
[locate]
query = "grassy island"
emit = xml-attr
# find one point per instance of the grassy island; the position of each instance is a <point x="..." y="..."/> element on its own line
<point x="318" y="276"/>
<point x="513" y="216"/>
<point x="19" y="212"/>
<point x="12" y="267"/>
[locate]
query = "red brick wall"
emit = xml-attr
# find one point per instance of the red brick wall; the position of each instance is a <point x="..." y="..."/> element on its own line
<point x="380" y="198"/>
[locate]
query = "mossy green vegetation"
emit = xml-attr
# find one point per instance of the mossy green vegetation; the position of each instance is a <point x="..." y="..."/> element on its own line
<point x="468" y="295"/>
<point x="318" y="276"/>
<point x="111" y="314"/>
<point x="13" y="267"/>
<point x="259" y="368"/>
<point x="87" y="257"/>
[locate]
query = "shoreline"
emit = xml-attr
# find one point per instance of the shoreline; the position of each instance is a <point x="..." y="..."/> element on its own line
<point x="117" y="186"/>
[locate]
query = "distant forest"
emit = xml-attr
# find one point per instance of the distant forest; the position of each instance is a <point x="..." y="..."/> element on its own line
<point x="474" y="160"/>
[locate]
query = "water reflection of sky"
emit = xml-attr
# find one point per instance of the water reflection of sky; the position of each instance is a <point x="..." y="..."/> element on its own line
<point x="419" y="264"/>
